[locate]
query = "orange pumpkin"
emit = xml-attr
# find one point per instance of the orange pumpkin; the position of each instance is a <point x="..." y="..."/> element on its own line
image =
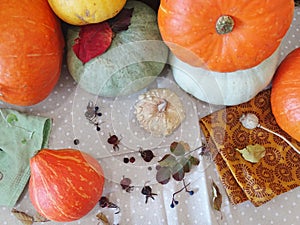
<point x="224" y="36"/>
<point x="65" y="184"/>
<point x="285" y="94"/>
<point x="31" y="51"/>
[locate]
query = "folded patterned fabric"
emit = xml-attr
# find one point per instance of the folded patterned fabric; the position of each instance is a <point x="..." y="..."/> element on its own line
<point x="21" y="136"/>
<point x="277" y="172"/>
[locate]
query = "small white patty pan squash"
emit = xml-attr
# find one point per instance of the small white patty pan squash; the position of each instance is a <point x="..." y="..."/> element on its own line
<point x="218" y="88"/>
<point x="159" y="111"/>
<point x="134" y="59"/>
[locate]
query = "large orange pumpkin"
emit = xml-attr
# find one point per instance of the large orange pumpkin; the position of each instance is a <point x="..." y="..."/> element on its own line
<point x="224" y="36"/>
<point x="31" y="51"/>
<point x="285" y="94"/>
<point x="65" y="184"/>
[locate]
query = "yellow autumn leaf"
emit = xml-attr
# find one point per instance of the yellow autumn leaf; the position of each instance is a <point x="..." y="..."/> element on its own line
<point x="253" y="153"/>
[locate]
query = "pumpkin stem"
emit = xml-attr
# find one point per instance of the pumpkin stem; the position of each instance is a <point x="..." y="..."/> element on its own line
<point x="162" y="105"/>
<point x="224" y="24"/>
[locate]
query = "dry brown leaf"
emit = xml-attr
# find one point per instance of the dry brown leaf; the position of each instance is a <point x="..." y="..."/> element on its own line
<point x="100" y="216"/>
<point x="217" y="197"/>
<point x="23" y="217"/>
<point x="39" y="218"/>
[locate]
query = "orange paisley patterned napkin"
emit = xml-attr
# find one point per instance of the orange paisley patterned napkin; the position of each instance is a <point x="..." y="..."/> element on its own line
<point x="277" y="172"/>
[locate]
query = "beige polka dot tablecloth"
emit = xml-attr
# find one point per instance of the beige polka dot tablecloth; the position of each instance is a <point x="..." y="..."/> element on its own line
<point x="66" y="106"/>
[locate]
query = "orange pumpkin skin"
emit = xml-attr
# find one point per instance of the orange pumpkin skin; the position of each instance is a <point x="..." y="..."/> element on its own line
<point x="189" y="29"/>
<point x="285" y="94"/>
<point x="65" y="184"/>
<point x="31" y="51"/>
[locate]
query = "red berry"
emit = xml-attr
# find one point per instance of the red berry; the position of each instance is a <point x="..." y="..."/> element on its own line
<point x="132" y="159"/>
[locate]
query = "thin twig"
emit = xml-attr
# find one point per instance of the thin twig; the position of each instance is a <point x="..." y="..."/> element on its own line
<point x="138" y="151"/>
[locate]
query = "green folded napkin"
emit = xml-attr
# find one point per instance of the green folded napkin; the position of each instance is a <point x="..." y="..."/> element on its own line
<point x="21" y="136"/>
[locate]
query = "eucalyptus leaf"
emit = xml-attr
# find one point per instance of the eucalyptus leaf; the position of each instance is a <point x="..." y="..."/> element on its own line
<point x="168" y="161"/>
<point x="178" y="172"/>
<point x="177" y="148"/>
<point x="253" y="153"/>
<point x="163" y="175"/>
<point x="186" y="164"/>
<point x="194" y="161"/>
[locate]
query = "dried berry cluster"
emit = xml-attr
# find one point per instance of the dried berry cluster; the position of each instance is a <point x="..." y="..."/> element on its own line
<point x="92" y="114"/>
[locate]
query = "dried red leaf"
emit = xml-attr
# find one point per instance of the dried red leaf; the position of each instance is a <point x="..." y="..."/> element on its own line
<point x="93" y="40"/>
<point x="121" y="21"/>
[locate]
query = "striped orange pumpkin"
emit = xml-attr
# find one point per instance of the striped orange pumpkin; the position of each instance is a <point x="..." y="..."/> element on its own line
<point x="65" y="184"/>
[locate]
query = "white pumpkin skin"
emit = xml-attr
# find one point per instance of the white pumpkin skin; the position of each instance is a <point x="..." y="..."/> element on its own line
<point x="159" y="111"/>
<point x="224" y="88"/>
<point x="134" y="59"/>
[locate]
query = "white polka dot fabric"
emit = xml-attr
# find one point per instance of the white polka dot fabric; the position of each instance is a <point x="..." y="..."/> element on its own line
<point x="67" y="105"/>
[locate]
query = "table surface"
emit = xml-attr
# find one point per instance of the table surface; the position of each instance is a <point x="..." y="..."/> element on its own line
<point x="66" y="106"/>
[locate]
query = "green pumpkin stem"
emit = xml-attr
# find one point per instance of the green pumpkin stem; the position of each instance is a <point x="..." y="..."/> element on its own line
<point x="225" y="24"/>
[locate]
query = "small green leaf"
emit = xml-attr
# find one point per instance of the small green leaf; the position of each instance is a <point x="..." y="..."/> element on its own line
<point x="163" y="175"/>
<point x="176" y="167"/>
<point x="194" y="161"/>
<point x="186" y="163"/>
<point x="178" y="172"/>
<point x="177" y="148"/>
<point x="253" y="153"/>
<point x="168" y="161"/>
<point x="11" y="118"/>
<point x="24" y="141"/>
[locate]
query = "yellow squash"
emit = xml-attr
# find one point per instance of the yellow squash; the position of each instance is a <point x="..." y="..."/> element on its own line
<point x="81" y="12"/>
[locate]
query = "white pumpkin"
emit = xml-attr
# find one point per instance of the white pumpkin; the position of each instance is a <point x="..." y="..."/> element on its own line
<point x="159" y="111"/>
<point x="224" y="88"/>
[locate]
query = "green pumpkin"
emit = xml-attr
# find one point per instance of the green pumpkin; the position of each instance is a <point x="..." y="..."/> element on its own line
<point x="134" y="59"/>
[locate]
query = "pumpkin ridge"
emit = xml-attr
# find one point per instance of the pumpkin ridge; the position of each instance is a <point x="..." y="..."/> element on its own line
<point x="26" y="19"/>
<point x="72" y="210"/>
<point x="50" y="199"/>
<point x="82" y="195"/>
<point x="60" y="156"/>
<point x="43" y="54"/>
